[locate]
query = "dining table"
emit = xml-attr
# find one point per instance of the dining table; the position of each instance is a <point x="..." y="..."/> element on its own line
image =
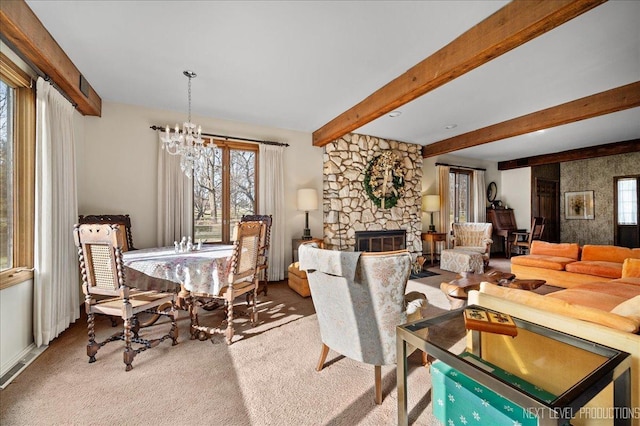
<point x="203" y="270"/>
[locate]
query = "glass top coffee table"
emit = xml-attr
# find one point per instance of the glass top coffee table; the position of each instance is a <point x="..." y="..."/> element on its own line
<point x="569" y="369"/>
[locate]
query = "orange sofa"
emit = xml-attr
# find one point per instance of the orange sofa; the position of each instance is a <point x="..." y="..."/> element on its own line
<point x="568" y="265"/>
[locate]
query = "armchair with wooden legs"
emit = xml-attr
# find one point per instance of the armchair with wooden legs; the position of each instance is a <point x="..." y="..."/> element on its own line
<point x="100" y="248"/>
<point x="359" y="300"/>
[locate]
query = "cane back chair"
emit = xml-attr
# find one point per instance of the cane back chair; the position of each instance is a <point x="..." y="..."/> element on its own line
<point x="242" y="279"/>
<point x="106" y="292"/>
<point x="263" y="253"/>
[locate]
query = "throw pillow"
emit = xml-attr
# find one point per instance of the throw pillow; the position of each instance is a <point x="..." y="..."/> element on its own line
<point x="631" y="268"/>
<point x="629" y="308"/>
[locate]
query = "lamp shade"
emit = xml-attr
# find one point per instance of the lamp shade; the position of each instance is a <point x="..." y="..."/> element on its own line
<point x="431" y="203"/>
<point x="307" y="199"/>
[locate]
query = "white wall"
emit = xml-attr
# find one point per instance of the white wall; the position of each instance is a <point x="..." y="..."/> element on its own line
<point x="16" y="324"/>
<point x="515" y="189"/>
<point x="117" y="170"/>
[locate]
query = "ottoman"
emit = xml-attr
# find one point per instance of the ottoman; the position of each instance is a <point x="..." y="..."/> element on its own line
<point x="298" y="280"/>
<point x="456" y="260"/>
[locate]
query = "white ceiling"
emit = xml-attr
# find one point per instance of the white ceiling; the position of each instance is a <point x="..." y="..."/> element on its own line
<point x="297" y="65"/>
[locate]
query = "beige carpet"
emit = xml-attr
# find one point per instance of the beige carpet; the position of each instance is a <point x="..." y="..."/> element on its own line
<point x="267" y="377"/>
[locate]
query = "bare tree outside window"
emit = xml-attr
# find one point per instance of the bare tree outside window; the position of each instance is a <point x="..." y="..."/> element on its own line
<point x="225" y="193"/>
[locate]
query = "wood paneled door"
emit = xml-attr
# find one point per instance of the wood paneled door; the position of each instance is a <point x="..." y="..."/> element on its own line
<point x="546" y="204"/>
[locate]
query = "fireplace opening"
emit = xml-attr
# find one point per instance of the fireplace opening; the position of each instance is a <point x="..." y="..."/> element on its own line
<point x="386" y="240"/>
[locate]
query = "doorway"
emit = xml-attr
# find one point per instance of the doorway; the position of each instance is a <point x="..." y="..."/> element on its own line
<point x="626" y="215"/>
<point x="546" y="203"/>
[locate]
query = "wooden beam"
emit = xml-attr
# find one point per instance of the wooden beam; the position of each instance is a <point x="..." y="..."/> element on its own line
<point x="513" y="25"/>
<point x="22" y="28"/>
<point x="613" y="100"/>
<point x="573" y="154"/>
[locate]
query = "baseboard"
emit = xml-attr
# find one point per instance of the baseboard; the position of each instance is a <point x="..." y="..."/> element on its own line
<point x="19" y="363"/>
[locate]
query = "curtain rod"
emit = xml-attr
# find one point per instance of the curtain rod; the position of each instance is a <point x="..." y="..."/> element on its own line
<point x="154" y="127"/>
<point x="461" y="167"/>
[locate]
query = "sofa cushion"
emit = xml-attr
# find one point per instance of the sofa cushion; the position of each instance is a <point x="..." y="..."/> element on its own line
<point x="556" y="263"/>
<point x="600" y="295"/>
<point x="631" y="268"/>
<point x="596" y="267"/>
<point x="562" y="307"/>
<point x="570" y="250"/>
<point x="606" y="253"/>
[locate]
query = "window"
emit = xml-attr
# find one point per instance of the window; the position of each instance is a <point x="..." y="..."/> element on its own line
<point x="627" y="201"/>
<point x="227" y="192"/>
<point x="626" y="215"/>
<point x="17" y="168"/>
<point x="459" y="195"/>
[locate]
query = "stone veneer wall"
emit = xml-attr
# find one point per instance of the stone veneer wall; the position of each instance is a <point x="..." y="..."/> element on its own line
<point x="348" y="209"/>
<point x="596" y="175"/>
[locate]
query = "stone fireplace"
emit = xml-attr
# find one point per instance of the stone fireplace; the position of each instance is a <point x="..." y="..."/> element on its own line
<point x="347" y="207"/>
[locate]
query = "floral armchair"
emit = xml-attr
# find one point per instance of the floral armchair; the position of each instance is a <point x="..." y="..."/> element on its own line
<point x="359" y="300"/>
<point x="473" y="236"/>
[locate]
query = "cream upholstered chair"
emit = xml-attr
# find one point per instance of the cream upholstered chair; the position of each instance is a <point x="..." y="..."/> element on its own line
<point x="471" y="247"/>
<point x="100" y="248"/>
<point x="359" y="300"/>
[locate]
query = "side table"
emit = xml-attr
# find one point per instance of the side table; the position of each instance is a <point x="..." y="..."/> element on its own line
<point x="295" y="243"/>
<point x="433" y="238"/>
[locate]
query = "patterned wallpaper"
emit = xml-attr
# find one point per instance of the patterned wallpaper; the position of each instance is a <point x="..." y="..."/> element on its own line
<point x="594" y="175"/>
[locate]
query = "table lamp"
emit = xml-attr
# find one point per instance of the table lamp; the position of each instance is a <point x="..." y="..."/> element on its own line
<point x="307" y="200"/>
<point x="431" y="204"/>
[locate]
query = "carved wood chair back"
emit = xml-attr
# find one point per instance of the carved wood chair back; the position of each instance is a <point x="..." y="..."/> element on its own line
<point x="115" y="219"/>
<point x="263" y="254"/>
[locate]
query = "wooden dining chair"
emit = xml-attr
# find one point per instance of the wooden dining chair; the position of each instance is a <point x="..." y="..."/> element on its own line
<point x="242" y="279"/>
<point x="263" y="253"/>
<point x="521" y="241"/>
<point x="100" y="250"/>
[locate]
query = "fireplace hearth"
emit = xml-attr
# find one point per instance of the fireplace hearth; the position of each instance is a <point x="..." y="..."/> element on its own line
<point x="385" y="240"/>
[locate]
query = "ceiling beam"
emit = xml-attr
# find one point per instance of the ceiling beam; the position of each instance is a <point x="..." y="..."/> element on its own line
<point x="613" y="100"/>
<point x="23" y="30"/>
<point x="515" y="24"/>
<point x="574" y="154"/>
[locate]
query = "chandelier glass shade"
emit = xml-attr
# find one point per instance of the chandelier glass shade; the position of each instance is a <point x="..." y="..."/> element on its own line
<point x="188" y="143"/>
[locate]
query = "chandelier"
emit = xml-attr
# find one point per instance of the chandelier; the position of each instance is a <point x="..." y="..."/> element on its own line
<point x="188" y="142"/>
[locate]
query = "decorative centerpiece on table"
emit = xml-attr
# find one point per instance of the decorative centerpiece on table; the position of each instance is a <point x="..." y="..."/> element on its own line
<point x="186" y="245"/>
<point x="384" y="180"/>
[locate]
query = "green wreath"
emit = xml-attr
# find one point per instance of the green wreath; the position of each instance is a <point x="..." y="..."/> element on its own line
<point x="384" y="180"/>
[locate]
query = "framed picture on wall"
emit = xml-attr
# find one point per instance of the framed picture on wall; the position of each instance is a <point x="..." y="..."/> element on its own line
<point x="578" y="205"/>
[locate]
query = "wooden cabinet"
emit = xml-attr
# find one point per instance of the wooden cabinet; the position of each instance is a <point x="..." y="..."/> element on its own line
<point x="504" y="223"/>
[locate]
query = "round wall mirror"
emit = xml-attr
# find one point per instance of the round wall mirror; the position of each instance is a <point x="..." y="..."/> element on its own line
<point x="492" y="191"/>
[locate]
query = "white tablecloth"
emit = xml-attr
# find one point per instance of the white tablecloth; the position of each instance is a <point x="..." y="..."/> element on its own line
<point x="162" y="269"/>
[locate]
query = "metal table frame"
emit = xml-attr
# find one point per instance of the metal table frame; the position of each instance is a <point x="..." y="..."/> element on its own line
<point x="616" y="369"/>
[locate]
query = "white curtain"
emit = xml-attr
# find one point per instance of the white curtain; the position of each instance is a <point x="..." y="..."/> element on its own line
<point x="479" y="197"/>
<point x="445" y="211"/>
<point x="175" y="200"/>
<point x="271" y="192"/>
<point x="56" y="293"/>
